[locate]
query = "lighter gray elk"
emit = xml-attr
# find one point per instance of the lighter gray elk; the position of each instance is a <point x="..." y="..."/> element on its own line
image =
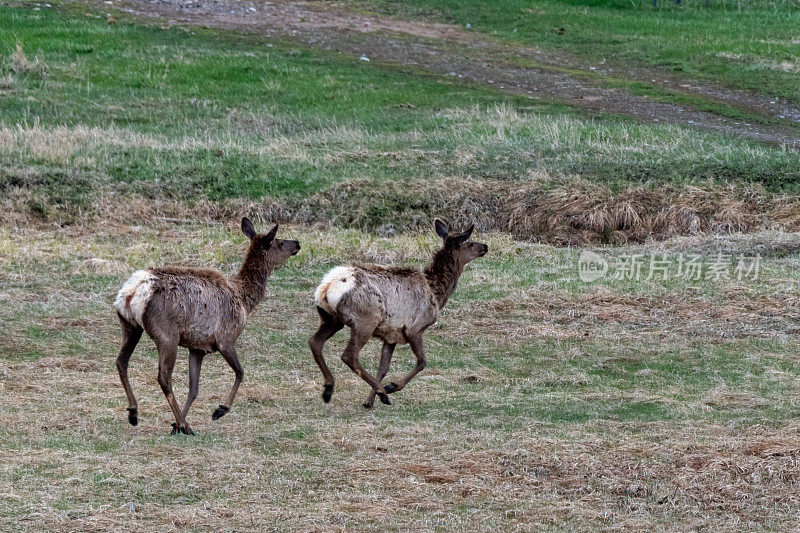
<point x="395" y="305"/>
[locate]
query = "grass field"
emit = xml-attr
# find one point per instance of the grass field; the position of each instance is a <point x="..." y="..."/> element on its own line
<point x="750" y="45"/>
<point x="196" y="117"/>
<point x="548" y="403"/>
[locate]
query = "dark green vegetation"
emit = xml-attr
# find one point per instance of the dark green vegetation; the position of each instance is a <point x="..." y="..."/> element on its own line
<point x="751" y="45"/>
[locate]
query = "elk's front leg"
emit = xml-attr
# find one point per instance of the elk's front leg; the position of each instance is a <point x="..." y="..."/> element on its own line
<point x="358" y="338"/>
<point x="167" y="354"/>
<point x="229" y="354"/>
<point x="195" y="364"/>
<point x="416" y="346"/>
<point x="383" y="368"/>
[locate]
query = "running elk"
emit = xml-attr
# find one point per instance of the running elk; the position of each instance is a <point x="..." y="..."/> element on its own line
<point x="196" y="309"/>
<point x="395" y="305"/>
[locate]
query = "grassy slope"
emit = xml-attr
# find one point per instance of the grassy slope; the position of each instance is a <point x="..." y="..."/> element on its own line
<point x="546" y="402"/>
<point x="194" y="115"/>
<point x="748" y="45"/>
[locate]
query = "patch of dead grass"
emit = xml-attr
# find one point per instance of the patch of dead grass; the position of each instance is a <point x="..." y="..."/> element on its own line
<point x="68" y="363"/>
<point x="21" y="64"/>
<point x="724" y="397"/>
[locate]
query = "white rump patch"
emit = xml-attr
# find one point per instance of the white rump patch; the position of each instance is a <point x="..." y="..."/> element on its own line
<point x="334" y="286"/>
<point x="132" y="298"/>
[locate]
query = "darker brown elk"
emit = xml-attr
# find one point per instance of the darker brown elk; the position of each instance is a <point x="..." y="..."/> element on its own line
<point x="395" y="305"/>
<point x="196" y="309"/>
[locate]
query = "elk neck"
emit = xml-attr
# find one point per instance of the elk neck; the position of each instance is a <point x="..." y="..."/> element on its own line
<point x="442" y="275"/>
<point x="251" y="280"/>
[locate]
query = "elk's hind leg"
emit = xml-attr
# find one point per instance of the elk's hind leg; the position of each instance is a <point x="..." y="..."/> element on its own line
<point x="383" y="368"/>
<point x="130" y="338"/>
<point x="327" y="329"/>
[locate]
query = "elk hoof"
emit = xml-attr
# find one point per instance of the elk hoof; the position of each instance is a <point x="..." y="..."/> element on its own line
<point x="385" y="399"/>
<point x="219" y="412"/>
<point x="327" y="392"/>
<point x="391" y="387"/>
<point x="186" y="430"/>
<point x="133" y="415"/>
<point x="367" y="405"/>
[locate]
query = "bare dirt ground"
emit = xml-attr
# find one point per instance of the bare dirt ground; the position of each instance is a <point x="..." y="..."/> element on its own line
<point x="448" y="50"/>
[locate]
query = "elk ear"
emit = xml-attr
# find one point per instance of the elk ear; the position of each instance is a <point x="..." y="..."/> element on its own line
<point x="269" y="237"/>
<point x="464" y="237"/>
<point x="441" y="228"/>
<point x="248" y="229"/>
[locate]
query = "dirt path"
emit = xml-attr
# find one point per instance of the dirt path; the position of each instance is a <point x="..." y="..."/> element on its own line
<point x="448" y="50"/>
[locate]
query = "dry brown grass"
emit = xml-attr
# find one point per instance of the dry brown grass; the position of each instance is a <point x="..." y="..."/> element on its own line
<point x="579" y="211"/>
<point x="7" y="82"/>
<point x="570" y="211"/>
<point x="21" y="64"/>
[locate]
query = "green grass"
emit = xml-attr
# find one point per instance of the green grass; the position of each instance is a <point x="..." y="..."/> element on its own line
<point x="196" y="115"/>
<point x="747" y="45"/>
